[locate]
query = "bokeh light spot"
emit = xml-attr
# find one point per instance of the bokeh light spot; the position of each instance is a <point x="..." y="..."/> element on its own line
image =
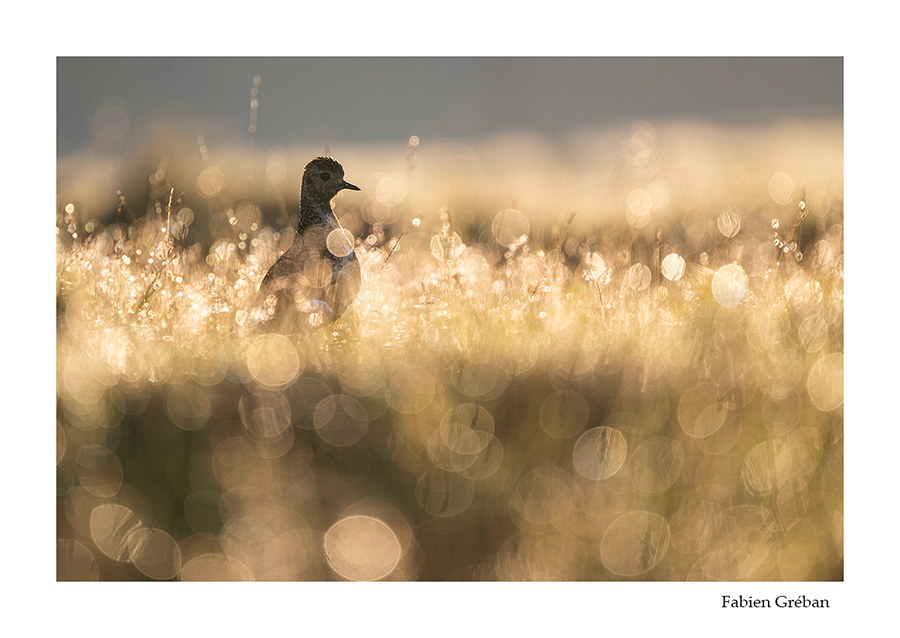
<point x="266" y="415"/>
<point x="211" y="182"/>
<point x="110" y="125"/>
<point x="595" y="266"/>
<point x="599" y="453"/>
<point x="447" y="248"/>
<point x="672" y="267"/>
<point x="638" y="207"/>
<point x="781" y="188"/>
<point x="188" y="406"/>
<point x="411" y="389"/>
<point x="99" y="470"/>
<point x="156" y="554"/>
<point x="247" y="217"/>
<point x="480" y="379"/>
<point x="288" y="555"/>
<point x="563" y="414"/>
<point x="276" y="164"/>
<point x="766" y="467"/>
<point x="390" y="190"/>
<point x="656" y="465"/>
<point x="113" y="529"/>
<point x="74" y="562"/>
<point x="542" y="499"/>
<point x="340" y="420"/>
<point x="444" y="493"/>
<point x="700" y="410"/>
<point x="273" y="361"/>
<point x="487" y="461"/>
<point x="214" y="567"/>
<point x="825" y="383"/>
<point x="340" y="242"/>
<point x="201" y="510"/>
<point x="639" y="277"/>
<point x="467" y="428"/>
<point x="729" y="285"/>
<point x="462" y="438"/>
<point x="237" y="467"/>
<point x="510" y="228"/>
<point x="729" y="222"/>
<point x="635" y="543"/>
<point x="813" y="333"/>
<point x="362" y="548"/>
<point x="60" y="442"/>
<point x="739" y="545"/>
<point x="78" y="383"/>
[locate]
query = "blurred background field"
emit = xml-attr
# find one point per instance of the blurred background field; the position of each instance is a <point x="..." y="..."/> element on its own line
<point x="613" y="352"/>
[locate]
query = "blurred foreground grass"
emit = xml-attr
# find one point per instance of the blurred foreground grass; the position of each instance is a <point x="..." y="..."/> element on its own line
<point x="619" y="362"/>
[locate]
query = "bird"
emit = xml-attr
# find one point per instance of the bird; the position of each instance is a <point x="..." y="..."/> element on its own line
<point x="319" y="274"/>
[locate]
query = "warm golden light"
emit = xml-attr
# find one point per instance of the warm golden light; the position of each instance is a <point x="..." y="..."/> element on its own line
<point x="619" y="359"/>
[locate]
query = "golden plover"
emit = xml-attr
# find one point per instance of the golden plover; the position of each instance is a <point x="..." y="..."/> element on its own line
<point x="319" y="273"/>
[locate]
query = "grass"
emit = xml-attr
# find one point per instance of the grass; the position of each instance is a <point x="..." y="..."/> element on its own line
<point x="623" y="371"/>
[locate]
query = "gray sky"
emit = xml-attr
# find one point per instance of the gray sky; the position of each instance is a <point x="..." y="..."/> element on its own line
<point x="346" y="100"/>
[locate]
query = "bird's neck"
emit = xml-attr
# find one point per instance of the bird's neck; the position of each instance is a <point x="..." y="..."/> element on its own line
<point x="314" y="212"/>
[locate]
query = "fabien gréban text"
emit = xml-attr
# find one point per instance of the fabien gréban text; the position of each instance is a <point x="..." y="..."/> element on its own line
<point x="783" y="602"/>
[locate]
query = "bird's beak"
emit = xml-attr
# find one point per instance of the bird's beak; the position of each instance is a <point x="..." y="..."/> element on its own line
<point x="350" y="186"/>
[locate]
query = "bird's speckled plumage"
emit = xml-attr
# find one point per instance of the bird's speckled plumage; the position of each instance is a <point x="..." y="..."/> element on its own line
<point x="318" y="273"/>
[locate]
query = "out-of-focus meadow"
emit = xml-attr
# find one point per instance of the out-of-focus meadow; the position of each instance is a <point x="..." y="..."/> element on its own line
<point x="615" y="355"/>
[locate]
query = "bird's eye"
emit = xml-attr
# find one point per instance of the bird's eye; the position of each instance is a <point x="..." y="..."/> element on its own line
<point x="325" y="177"/>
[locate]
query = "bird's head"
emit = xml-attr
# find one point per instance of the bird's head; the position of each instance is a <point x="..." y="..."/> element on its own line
<point x="323" y="178"/>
